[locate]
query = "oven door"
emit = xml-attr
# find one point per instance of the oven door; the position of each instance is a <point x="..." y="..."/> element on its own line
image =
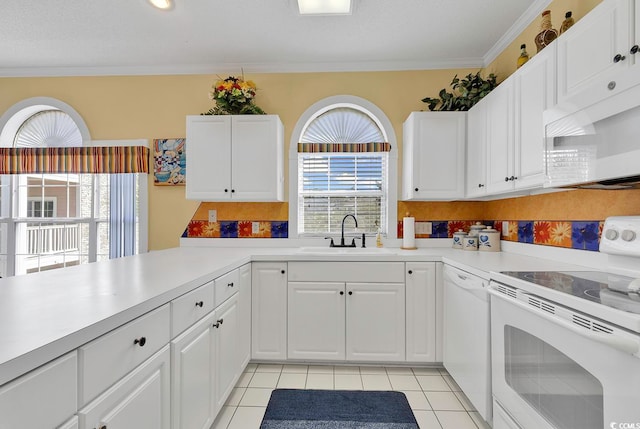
<point x="551" y="372"/>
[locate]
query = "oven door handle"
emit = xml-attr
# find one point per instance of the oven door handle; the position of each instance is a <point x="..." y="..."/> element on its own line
<point x="626" y="345"/>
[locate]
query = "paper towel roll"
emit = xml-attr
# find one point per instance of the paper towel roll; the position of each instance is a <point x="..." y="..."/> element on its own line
<point x="409" y="233"/>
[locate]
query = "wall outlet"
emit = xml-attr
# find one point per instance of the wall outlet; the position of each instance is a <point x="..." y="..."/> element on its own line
<point x="255" y="227"/>
<point x="505" y="228"/>
<point x="213" y="216"/>
<point x="424" y="228"/>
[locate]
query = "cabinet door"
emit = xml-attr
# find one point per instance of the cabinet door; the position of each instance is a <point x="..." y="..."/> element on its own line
<point x="586" y="53"/>
<point x="316" y="321"/>
<point x="476" y="151"/>
<point x="141" y="400"/>
<point x="421" y="311"/>
<point x="534" y="93"/>
<point x="71" y="424"/>
<point x="499" y="105"/>
<point x="375" y="322"/>
<point x="208" y="158"/>
<point x="192" y="381"/>
<point x="227" y="363"/>
<point x="257" y="158"/>
<point x="434" y="155"/>
<point x="244" y="311"/>
<point x="269" y="311"/>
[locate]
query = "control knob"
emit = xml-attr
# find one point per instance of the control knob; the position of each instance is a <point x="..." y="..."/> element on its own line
<point x="628" y="235"/>
<point x="611" y="234"/>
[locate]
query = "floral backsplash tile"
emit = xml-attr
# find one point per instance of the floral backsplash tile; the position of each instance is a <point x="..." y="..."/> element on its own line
<point x="583" y="235"/>
<point x="237" y="229"/>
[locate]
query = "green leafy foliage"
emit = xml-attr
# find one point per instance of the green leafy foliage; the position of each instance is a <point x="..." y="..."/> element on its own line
<point x="465" y="93"/>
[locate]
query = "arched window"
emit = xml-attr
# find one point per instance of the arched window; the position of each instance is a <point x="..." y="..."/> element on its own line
<point x="56" y="218"/>
<point x="344" y="164"/>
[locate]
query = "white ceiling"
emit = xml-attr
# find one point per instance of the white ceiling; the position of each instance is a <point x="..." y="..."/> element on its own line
<point x="92" y="37"/>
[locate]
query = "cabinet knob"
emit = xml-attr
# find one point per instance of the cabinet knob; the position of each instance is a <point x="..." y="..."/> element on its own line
<point x="634" y="49"/>
<point x="480" y="185"/>
<point x="140" y="341"/>
<point x="416" y="189"/>
<point x="611" y="85"/>
<point x="341" y="292"/>
<point x="350" y="293"/>
<point x="103" y="427"/>
<point x="199" y="304"/>
<point x="619" y="58"/>
<point x="282" y="272"/>
<point x="410" y="271"/>
<point x="230" y="284"/>
<point x="233" y="190"/>
<point x="218" y="323"/>
<point x="226" y="190"/>
<point x="506" y="179"/>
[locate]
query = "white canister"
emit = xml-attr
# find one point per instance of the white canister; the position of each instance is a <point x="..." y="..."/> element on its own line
<point x="489" y="240"/>
<point x="458" y="239"/>
<point x="470" y="242"/>
<point x="475" y="229"/>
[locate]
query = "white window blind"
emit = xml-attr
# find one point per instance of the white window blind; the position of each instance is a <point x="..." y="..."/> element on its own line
<point x="332" y="185"/>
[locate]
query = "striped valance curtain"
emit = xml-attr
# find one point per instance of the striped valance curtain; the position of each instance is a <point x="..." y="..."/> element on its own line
<point x="344" y="147"/>
<point x="82" y="159"/>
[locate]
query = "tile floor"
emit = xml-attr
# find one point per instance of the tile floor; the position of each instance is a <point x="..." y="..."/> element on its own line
<point x="436" y="400"/>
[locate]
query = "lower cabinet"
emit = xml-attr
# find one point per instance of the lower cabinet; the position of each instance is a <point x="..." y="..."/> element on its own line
<point x="140" y="400"/>
<point x="421" y="311"/>
<point x="226" y="357"/>
<point x="244" y="308"/>
<point x="269" y="310"/>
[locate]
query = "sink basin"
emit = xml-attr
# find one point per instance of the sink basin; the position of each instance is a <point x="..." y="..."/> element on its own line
<point x="345" y="250"/>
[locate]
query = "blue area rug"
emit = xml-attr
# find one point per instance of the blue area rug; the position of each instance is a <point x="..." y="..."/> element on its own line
<point x="337" y="409"/>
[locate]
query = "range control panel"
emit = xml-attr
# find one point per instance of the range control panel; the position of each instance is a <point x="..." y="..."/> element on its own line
<point x="621" y="236"/>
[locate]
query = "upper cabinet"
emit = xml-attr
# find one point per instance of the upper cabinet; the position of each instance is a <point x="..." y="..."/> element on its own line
<point x="595" y="54"/>
<point x="237" y="158"/>
<point x="499" y="128"/>
<point x="477" y="150"/>
<point x="434" y="155"/>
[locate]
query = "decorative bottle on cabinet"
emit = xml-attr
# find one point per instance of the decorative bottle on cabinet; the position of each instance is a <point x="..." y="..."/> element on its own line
<point x="547" y="34"/>
<point x="524" y="57"/>
<point x="568" y="22"/>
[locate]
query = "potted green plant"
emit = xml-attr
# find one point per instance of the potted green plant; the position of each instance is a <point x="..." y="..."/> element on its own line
<point x="465" y="93"/>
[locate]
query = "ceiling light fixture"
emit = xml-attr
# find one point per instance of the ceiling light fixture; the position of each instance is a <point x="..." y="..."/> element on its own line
<point x="162" y="4"/>
<point x="324" y="7"/>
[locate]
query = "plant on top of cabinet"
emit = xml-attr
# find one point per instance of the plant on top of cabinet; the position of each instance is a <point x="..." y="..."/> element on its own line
<point x="233" y="96"/>
<point x="465" y="92"/>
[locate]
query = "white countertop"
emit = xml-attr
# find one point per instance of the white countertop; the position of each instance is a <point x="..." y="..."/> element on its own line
<point x="44" y="315"/>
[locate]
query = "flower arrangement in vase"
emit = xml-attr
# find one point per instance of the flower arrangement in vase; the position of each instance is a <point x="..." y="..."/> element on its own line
<point x="233" y="96"/>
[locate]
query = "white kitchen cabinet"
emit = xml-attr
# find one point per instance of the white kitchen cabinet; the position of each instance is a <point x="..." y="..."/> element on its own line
<point x="140" y="400"/>
<point x="434" y="156"/>
<point x="477" y="151"/>
<point x="316" y="320"/>
<point x="375" y="322"/>
<point x="500" y="131"/>
<point x="244" y="311"/>
<point x="43" y="398"/>
<point x="193" y="398"/>
<point x="421" y="311"/>
<point x="227" y="364"/>
<point x="71" y="424"/>
<point x="269" y="310"/>
<point x="595" y="52"/>
<point x="238" y="158"/>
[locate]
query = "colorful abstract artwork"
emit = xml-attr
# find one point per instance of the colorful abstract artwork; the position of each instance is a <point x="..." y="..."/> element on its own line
<point x="169" y="162"/>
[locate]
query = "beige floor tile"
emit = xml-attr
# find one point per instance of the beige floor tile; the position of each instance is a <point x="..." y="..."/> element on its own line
<point x="269" y="367"/>
<point x="373" y="370"/>
<point x="265" y="380"/>
<point x="452" y="383"/>
<point x="256" y="398"/>
<point x="444" y="401"/>
<point x="417" y="400"/>
<point x="376" y="382"/>
<point x="224" y="417"/>
<point x="319" y="381"/>
<point x="320" y="369"/>
<point x="348" y="382"/>
<point x="404" y="382"/>
<point x="251" y="367"/>
<point x="399" y="370"/>
<point x="455" y="420"/>
<point x="244" y="379"/>
<point x="433" y="383"/>
<point x="235" y="396"/>
<point x="292" y="381"/>
<point x="426" y="371"/>
<point x="426" y="419"/>
<point x="343" y="369"/>
<point x="247" y="418"/>
<point x="478" y="420"/>
<point x="466" y="403"/>
<point x="295" y="369"/>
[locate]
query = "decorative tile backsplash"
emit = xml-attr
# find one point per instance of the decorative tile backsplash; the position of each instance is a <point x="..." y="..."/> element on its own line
<point x="583" y="235"/>
<point x="237" y="229"/>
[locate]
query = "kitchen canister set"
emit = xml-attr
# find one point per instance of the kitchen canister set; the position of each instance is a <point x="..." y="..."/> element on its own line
<point x="480" y="237"/>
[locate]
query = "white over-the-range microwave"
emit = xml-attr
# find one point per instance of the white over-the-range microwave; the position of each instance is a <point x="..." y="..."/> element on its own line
<point x="596" y="146"/>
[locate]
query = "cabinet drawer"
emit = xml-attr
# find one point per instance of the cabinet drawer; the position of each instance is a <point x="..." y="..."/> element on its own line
<point x="358" y="272"/>
<point x="108" y="358"/>
<point x="44" y="398"/>
<point x="226" y="286"/>
<point x="191" y="307"/>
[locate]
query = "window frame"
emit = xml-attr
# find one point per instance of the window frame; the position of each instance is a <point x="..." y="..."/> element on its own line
<point x="387" y="129"/>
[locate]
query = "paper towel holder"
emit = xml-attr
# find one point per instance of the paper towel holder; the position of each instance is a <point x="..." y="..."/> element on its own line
<point x="408" y="243"/>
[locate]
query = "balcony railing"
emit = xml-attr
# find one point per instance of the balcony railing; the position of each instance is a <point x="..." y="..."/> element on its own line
<point x="52" y="239"/>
